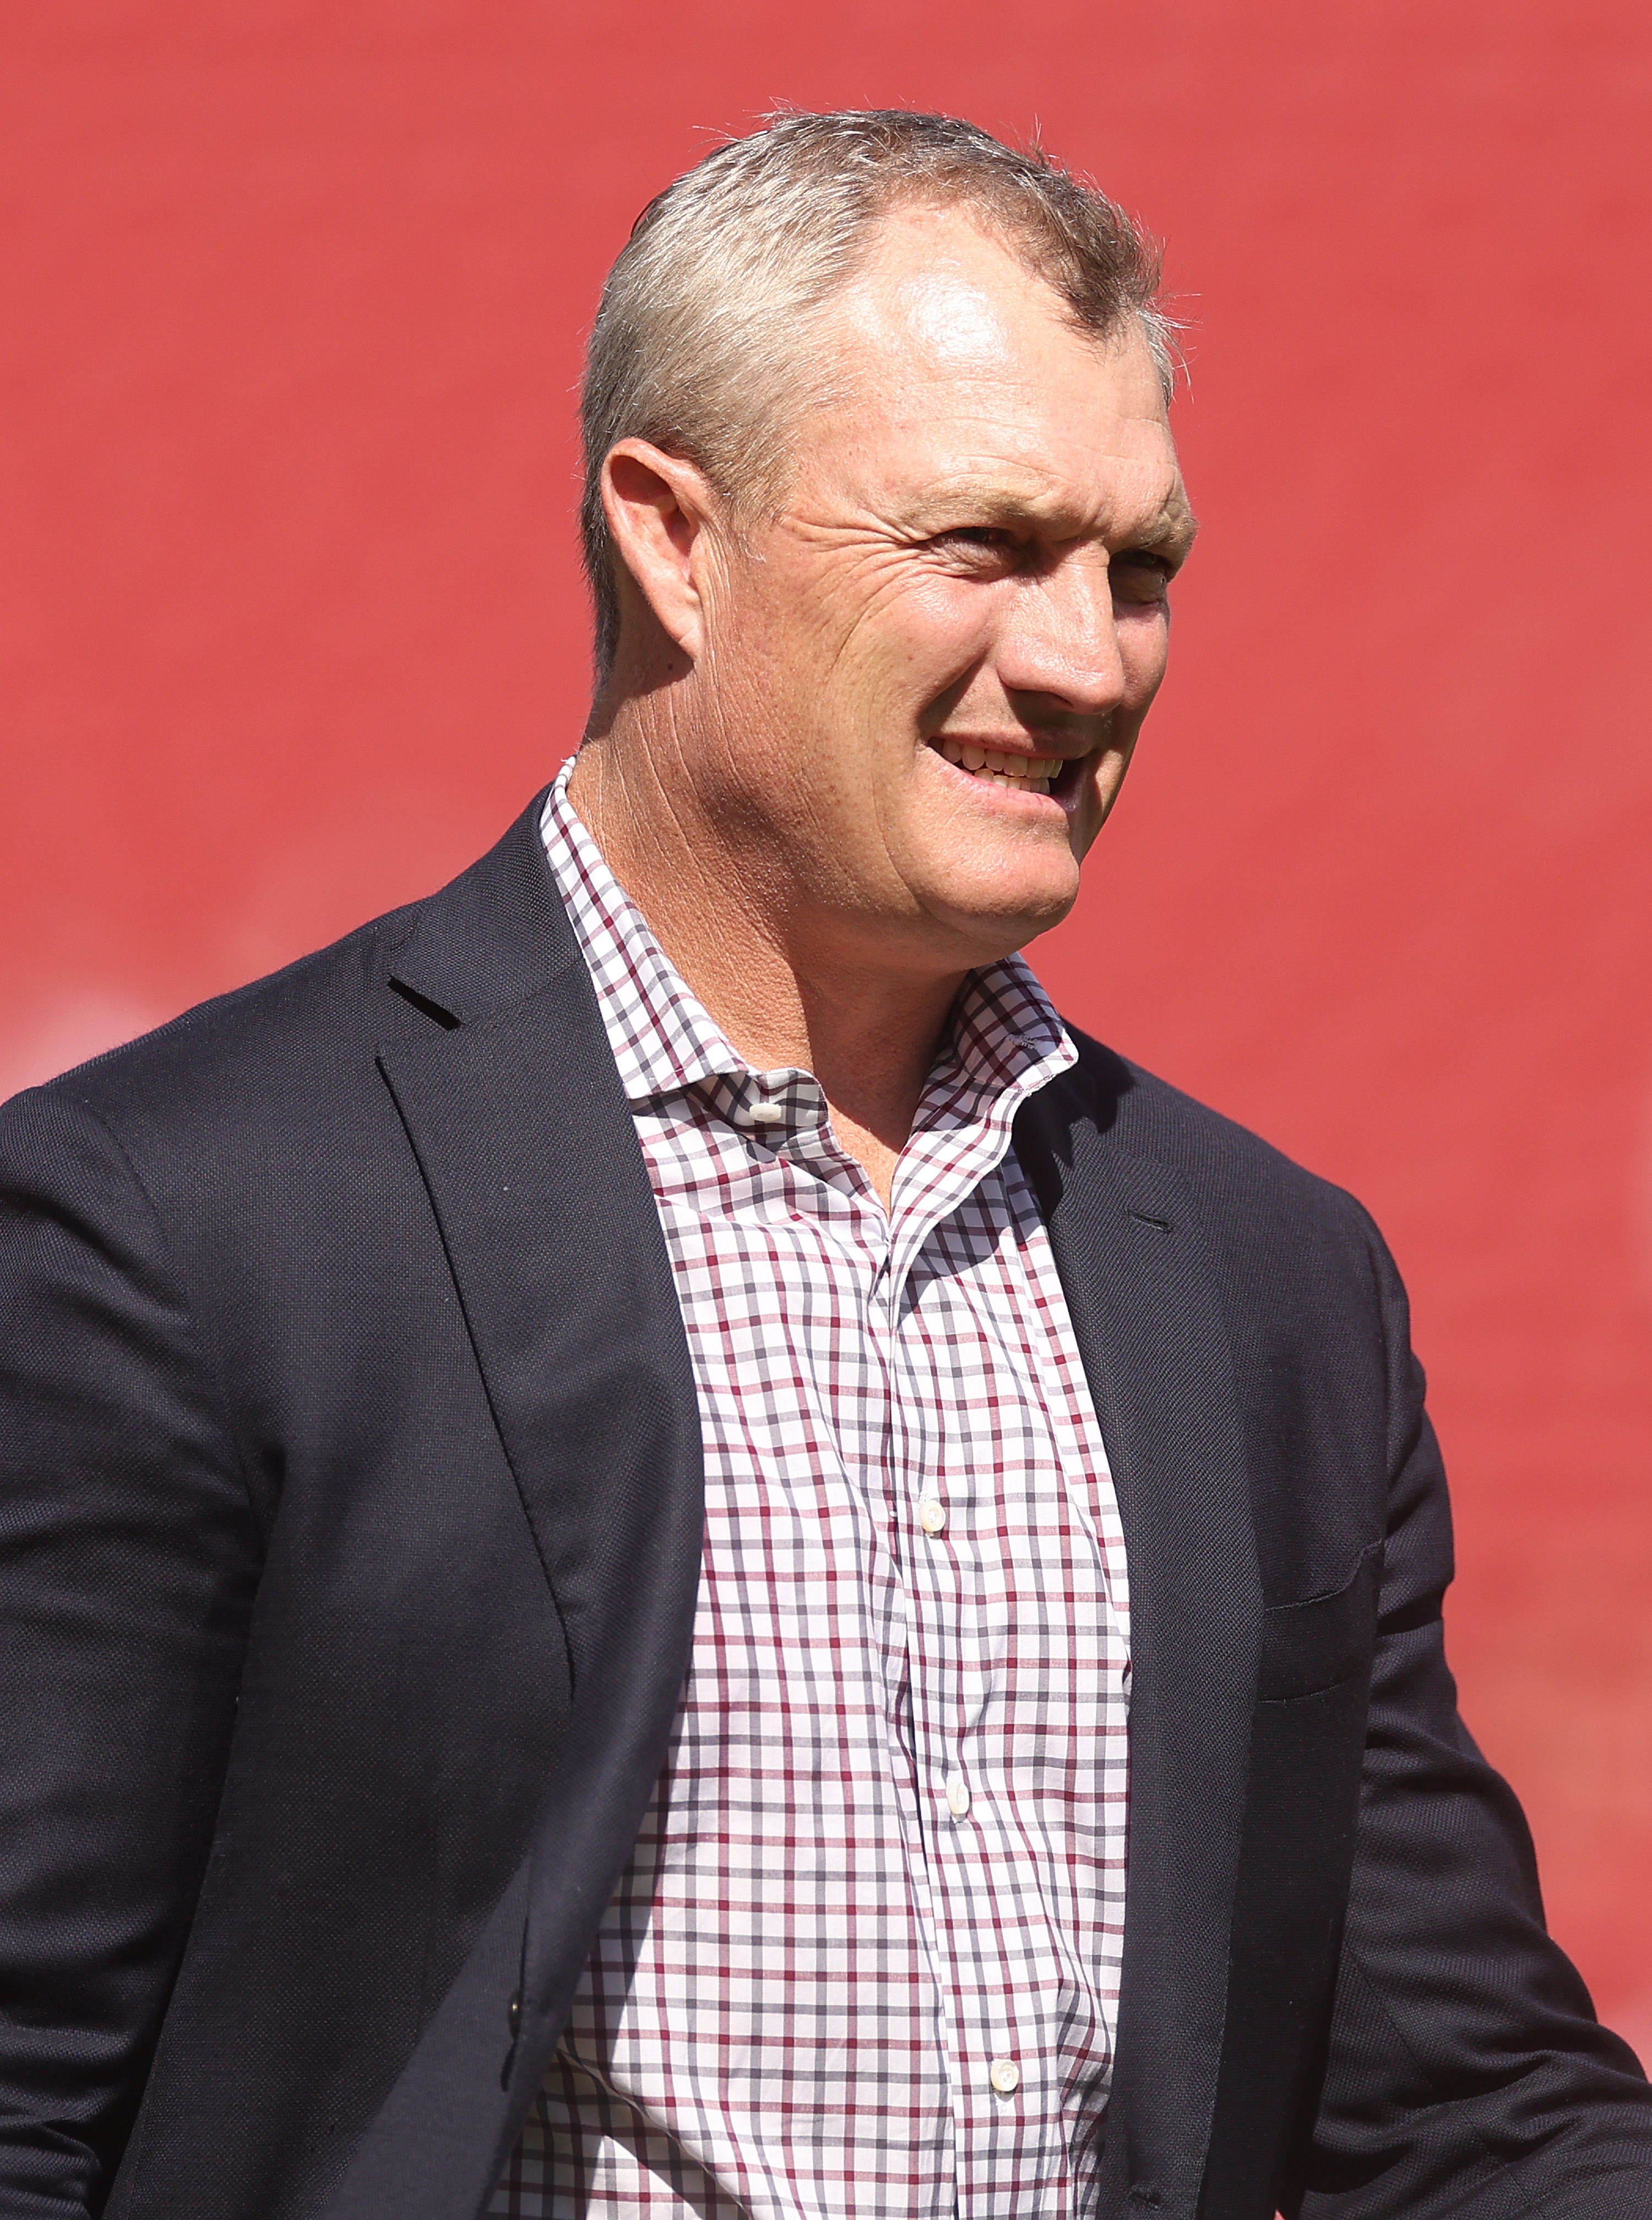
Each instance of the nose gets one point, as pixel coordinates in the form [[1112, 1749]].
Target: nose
[[1060, 638]]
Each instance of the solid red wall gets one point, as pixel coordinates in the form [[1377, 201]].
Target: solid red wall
[[290, 624]]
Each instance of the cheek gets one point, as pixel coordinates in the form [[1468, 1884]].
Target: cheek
[[921, 643], [1143, 636], [853, 639]]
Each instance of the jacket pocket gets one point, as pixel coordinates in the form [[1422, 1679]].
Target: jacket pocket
[[1317, 1644]]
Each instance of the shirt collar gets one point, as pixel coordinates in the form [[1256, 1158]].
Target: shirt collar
[[663, 1039], [1006, 1041]]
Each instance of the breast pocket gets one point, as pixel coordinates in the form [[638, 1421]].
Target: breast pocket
[[1318, 1645]]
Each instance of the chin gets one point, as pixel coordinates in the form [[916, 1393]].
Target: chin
[[993, 927]]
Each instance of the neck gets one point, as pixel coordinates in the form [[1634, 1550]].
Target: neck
[[788, 990]]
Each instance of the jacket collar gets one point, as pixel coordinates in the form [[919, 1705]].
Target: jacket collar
[[491, 938]]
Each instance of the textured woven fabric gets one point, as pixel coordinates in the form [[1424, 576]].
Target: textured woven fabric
[[864, 1961]]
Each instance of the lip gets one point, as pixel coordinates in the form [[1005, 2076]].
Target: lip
[[1062, 803]]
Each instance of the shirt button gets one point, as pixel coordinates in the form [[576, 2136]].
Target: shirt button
[[932, 1516], [958, 1795], [768, 1113], [1004, 2075]]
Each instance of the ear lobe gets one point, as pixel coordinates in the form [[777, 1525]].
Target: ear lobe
[[657, 506]]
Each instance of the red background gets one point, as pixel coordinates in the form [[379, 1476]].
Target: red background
[[290, 310]]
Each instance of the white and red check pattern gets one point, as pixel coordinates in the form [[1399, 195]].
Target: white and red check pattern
[[887, 1854]]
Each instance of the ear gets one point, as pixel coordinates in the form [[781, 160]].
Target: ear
[[657, 506]]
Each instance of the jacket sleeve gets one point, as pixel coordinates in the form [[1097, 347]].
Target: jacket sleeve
[[127, 1561], [1467, 2072]]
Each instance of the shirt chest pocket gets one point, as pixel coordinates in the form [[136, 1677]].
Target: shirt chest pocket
[[1319, 1643]]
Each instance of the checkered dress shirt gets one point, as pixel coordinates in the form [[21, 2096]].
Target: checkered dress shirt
[[864, 1961]]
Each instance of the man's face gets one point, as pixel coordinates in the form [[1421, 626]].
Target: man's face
[[930, 672]]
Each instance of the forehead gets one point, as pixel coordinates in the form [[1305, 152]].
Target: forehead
[[961, 371]]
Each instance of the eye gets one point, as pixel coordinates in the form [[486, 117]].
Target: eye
[[1139, 576], [981, 547]]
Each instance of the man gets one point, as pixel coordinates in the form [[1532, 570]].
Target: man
[[614, 1489]]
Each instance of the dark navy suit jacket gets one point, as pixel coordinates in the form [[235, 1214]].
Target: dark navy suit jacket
[[350, 1526]]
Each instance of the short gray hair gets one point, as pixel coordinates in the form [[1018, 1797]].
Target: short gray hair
[[702, 345]]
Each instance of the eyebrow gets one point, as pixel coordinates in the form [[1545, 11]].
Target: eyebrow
[[1172, 529]]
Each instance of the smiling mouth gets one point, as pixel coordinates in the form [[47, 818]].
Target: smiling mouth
[[993, 767]]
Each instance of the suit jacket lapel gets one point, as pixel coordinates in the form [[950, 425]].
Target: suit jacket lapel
[[502, 1071], [523, 1134], [1155, 1347]]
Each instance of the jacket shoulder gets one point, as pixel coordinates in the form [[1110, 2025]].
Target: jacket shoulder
[[1227, 1168]]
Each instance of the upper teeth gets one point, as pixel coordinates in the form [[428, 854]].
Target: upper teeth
[[1013, 770]]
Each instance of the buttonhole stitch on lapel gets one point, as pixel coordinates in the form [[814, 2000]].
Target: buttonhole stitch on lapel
[[1143, 1218]]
